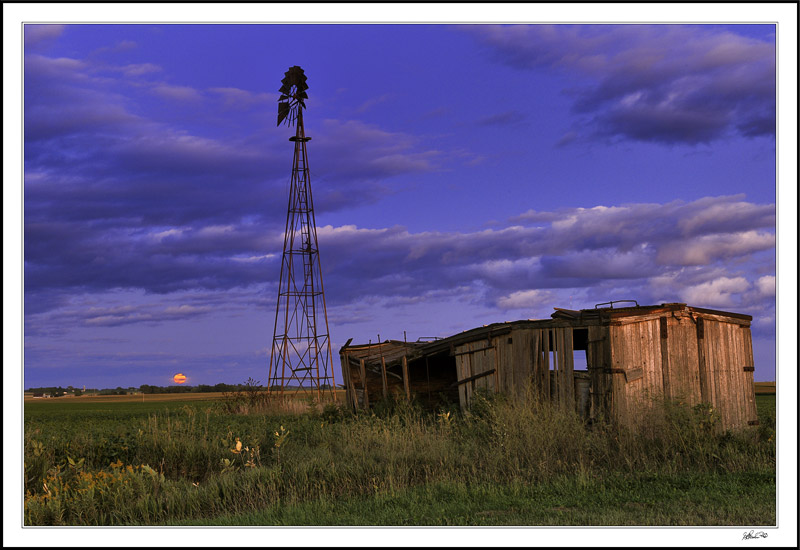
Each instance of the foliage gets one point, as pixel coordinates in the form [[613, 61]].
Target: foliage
[[144, 464]]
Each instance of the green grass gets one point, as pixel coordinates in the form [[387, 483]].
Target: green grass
[[502, 464], [685, 499], [765, 404]]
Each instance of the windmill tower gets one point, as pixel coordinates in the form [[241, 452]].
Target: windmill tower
[[300, 357]]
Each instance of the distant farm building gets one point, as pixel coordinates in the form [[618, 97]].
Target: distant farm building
[[634, 355]]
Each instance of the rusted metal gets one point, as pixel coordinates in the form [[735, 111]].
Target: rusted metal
[[300, 357], [612, 302]]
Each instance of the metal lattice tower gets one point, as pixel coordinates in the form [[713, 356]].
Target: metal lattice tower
[[300, 356]]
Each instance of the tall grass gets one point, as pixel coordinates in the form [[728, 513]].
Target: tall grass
[[196, 463]]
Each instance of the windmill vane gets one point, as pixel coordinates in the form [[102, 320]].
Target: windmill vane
[[293, 95]]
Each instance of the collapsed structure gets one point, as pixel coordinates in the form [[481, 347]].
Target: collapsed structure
[[633, 356]]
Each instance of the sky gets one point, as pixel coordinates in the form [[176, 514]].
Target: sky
[[462, 175]]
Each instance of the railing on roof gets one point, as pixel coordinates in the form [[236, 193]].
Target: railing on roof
[[611, 303]]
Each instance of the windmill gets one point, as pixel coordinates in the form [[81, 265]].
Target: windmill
[[300, 357]]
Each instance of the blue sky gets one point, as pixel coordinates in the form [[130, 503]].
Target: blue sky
[[462, 175]]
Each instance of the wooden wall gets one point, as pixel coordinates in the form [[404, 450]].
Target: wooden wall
[[686, 358], [525, 360], [632, 362], [726, 350]]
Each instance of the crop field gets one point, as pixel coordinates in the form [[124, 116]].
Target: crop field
[[247, 460]]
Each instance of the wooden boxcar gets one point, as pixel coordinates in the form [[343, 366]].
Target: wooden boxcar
[[627, 358]]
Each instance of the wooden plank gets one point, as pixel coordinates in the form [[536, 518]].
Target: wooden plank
[[741, 392], [520, 368], [750, 392], [545, 336], [476, 350], [562, 367], [595, 372], [348, 386], [618, 394], [364, 382], [537, 364], [705, 382], [383, 379], [677, 360], [664, 336], [737, 360], [633, 358], [481, 358], [405, 378], [656, 381], [711, 366], [555, 380], [634, 374], [462, 390], [689, 332], [732, 362], [484, 374], [496, 379], [711, 335], [716, 347], [556, 366], [468, 388], [569, 367], [505, 375]]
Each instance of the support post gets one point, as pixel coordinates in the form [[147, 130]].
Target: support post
[[405, 378], [364, 382]]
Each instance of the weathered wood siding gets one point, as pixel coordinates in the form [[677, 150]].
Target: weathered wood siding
[[634, 373], [598, 363], [635, 358], [678, 357], [728, 357], [536, 362], [474, 359]]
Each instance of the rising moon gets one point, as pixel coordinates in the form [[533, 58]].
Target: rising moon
[[179, 378]]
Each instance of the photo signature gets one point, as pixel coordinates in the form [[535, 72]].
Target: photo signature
[[754, 535]]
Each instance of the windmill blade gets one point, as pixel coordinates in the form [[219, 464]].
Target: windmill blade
[[293, 94], [283, 112]]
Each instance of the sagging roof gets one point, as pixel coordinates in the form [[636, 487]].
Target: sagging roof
[[394, 350]]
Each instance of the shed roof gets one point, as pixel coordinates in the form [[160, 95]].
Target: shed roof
[[393, 350]]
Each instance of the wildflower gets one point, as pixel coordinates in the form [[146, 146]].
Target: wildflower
[[238, 448]]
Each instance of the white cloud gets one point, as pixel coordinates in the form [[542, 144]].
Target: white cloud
[[705, 249], [715, 293], [178, 93], [766, 285], [38, 33], [533, 298]]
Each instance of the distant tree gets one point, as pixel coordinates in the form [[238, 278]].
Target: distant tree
[[78, 393]]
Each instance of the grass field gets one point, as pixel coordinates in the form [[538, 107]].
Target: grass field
[[765, 388], [154, 397], [117, 461]]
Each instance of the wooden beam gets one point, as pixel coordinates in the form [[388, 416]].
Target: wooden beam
[[364, 382], [476, 350], [665, 362], [472, 378], [405, 378], [383, 378]]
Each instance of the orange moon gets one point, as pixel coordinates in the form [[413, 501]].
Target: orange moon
[[179, 378]]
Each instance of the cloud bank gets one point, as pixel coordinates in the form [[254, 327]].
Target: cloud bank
[[673, 84]]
